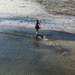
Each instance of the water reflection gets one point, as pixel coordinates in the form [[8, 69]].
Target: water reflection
[[25, 54]]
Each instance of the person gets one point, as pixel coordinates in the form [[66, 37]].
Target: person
[[37, 26]]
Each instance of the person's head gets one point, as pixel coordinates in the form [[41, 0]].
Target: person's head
[[37, 20]]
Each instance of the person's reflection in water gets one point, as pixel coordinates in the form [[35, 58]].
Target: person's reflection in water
[[36, 42]]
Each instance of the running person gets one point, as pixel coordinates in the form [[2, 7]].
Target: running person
[[37, 26]]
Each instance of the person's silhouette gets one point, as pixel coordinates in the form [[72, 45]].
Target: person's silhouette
[[37, 26]]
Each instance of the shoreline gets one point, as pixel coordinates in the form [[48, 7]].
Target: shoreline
[[48, 30], [27, 28]]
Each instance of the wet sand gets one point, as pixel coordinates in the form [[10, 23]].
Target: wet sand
[[22, 53]]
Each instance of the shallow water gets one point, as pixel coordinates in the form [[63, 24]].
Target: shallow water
[[22, 53]]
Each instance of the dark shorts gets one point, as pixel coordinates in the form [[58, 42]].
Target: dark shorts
[[37, 27]]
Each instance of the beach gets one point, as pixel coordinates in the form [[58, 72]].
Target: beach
[[23, 53]]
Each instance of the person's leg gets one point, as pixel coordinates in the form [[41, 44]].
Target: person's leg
[[37, 31]]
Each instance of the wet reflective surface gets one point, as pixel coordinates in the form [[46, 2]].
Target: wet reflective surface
[[22, 53]]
